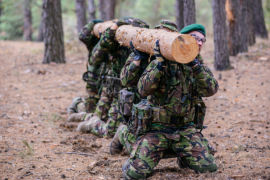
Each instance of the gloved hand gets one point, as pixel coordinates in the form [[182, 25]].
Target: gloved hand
[[193, 63], [159, 57], [121, 22], [95, 21], [138, 54]]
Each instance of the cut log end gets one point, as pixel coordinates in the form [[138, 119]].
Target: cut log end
[[184, 49]]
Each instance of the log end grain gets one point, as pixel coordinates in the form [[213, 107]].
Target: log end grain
[[184, 49]]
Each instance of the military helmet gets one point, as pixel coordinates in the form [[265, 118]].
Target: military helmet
[[168, 24], [139, 23]]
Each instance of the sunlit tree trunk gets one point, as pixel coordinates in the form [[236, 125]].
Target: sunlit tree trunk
[[232, 10], [102, 9], [91, 10], [53, 32], [27, 27], [81, 14], [243, 35], [259, 23], [179, 13], [250, 23], [220, 35], [111, 4], [189, 12]]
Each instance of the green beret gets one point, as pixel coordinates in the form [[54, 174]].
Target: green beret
[[193, 27], [139, 23], [168, 24], [127, 17]]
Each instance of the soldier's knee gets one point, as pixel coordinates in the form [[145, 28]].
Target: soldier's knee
[[130, 172], [200, 166]]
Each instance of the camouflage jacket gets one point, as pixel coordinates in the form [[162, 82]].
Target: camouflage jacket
[[199, 81], [119, 53]]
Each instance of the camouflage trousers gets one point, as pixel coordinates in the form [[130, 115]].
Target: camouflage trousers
[[145, 153], [104, 105], [102, 129]]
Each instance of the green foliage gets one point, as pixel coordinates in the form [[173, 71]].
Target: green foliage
[[266, 10]]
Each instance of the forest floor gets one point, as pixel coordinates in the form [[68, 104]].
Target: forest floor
[[34, 98]]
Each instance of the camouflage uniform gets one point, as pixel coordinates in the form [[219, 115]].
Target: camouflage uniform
[[178, 132], [120, 55]]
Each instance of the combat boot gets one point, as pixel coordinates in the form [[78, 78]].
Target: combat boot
[[116, 147], [181, 164], [76, 117], [90, 122], [73, 106]]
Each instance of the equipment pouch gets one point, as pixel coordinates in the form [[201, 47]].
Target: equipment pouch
[[117, 86], [141, 118], [126, 100]]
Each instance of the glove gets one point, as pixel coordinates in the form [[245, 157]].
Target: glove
[[138, 54], [121, 22], [159, 57], [193, 63], [95, 21]]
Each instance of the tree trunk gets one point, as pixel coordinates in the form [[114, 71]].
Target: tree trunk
[[81, 14], [179, 13], [27, 27], [53, 32], [40, 36], [243, 32], [111, 4], [182, 48], [102, 9], [189, 12], [250, 23], [232, 10], [259, 24], [91, 10], [222, 61]]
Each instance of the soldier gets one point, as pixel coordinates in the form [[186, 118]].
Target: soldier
[[95, 69], [91, 122], [172, 116]]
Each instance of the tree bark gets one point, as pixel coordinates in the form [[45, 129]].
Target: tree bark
[[27, 27], [222, 61], [250, 23], [243, 32], [259, 24], [102, 9], [189, 12], [179, 12], [182, 48], [91, 10], [111, 4], [40, 36], [232, 10], [81, 14], [53, 32]]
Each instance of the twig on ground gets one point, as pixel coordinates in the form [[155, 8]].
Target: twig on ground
[[87, 154]]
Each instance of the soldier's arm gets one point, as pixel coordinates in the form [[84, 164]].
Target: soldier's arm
[[150, 79], [87, 37], [108, 44], [98, 55], [130, 72], [207, 85]]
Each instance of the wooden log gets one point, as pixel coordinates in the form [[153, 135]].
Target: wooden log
[[181, 48]]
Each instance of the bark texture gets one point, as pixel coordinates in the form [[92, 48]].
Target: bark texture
[[232, 10], [81, 14], [111, 4], [220, 35], [53, 32], [259, 24], [91, 10], [40, 36], [102, 9], [243, 32], [189, 12], [250, 23], [27, 27], [179, 13], [182, 48]]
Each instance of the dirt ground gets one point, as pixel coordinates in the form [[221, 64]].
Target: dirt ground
[[34, 98]]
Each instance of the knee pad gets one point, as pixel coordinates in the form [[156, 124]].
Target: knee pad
[[130, 173]]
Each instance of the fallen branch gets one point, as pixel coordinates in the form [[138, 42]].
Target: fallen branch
[[86, 154]]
